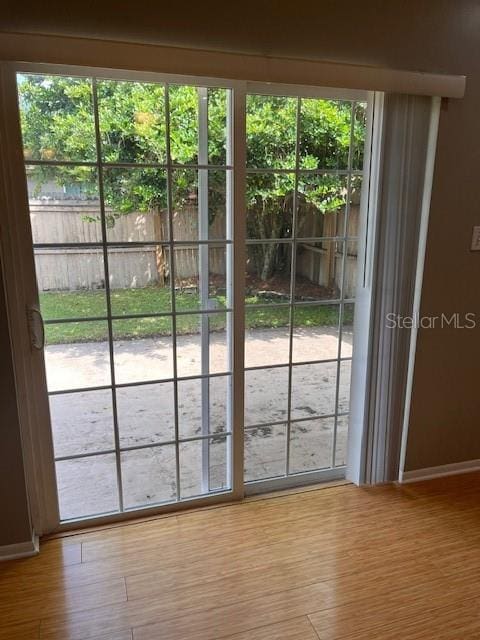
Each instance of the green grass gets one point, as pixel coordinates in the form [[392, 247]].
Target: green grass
[[91, 304]]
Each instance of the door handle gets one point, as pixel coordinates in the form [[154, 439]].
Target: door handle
[[36, 328]]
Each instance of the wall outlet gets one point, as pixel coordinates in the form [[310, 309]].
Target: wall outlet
[[475, 239]]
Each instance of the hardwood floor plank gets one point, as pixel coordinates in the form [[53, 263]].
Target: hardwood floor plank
[[52, 557], [39, 602], [390, 610], [239, 618], [294, 629], [216, 623], [448, 623], [261, 581]]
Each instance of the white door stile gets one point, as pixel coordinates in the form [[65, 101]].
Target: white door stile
[[237, 155], [356, 446]]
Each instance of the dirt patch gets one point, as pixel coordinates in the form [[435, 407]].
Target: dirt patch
[[278, 287]]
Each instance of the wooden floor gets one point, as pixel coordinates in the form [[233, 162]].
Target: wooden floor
[[383, 563]]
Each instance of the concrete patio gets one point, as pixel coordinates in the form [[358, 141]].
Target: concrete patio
[[82, 421]]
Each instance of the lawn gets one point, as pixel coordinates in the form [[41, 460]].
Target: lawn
[[149, 300]]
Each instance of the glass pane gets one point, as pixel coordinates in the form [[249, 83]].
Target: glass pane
[[77, 355], [136, 205], [321, 206], [82, 422], [203, 466], [136, 226], [342, 435], [183, 104], [311, 444], [132, 121], [315, 332], [209, 395], [325, 128], [87, 486], [267, 335], [271, 131], [350, 282], [353, 222], [268, 269], [191, 329], [64, 204], [71, 283], [217, 125], [57, 118], [196, 192], [146, 414], [313, 389], [344, 386], [189, 261], [139, 280], [266, 395], [148, 476], [143, 349], [265, 452], [269, 198], [359, 132], [347, 330], [184, 124], [318, 271]]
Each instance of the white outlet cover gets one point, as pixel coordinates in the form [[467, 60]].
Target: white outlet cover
[[476, 239]]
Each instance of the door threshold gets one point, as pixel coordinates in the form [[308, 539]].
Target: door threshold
[[280, 493]]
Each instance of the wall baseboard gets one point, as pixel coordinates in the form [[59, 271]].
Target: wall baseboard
[[20, 550], [437, 472]]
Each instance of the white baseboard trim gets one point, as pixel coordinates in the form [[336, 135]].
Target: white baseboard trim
[[20, 550], [437, 472]]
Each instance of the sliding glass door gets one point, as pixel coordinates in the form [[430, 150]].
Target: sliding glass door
[[304, 176], [130, 192], [195, 249]]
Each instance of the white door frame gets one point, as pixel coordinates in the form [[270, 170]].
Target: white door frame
[[22, 289], [356, 454]]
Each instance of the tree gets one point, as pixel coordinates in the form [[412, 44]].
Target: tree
[[58, 124]]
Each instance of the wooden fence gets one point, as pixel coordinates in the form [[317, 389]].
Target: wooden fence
[[321, 262], [77, 221]]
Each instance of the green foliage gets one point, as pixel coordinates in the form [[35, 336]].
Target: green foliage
[[57, 118], [139, 189], [271, 132], [58, 124], [131, 121], [324, 134]]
